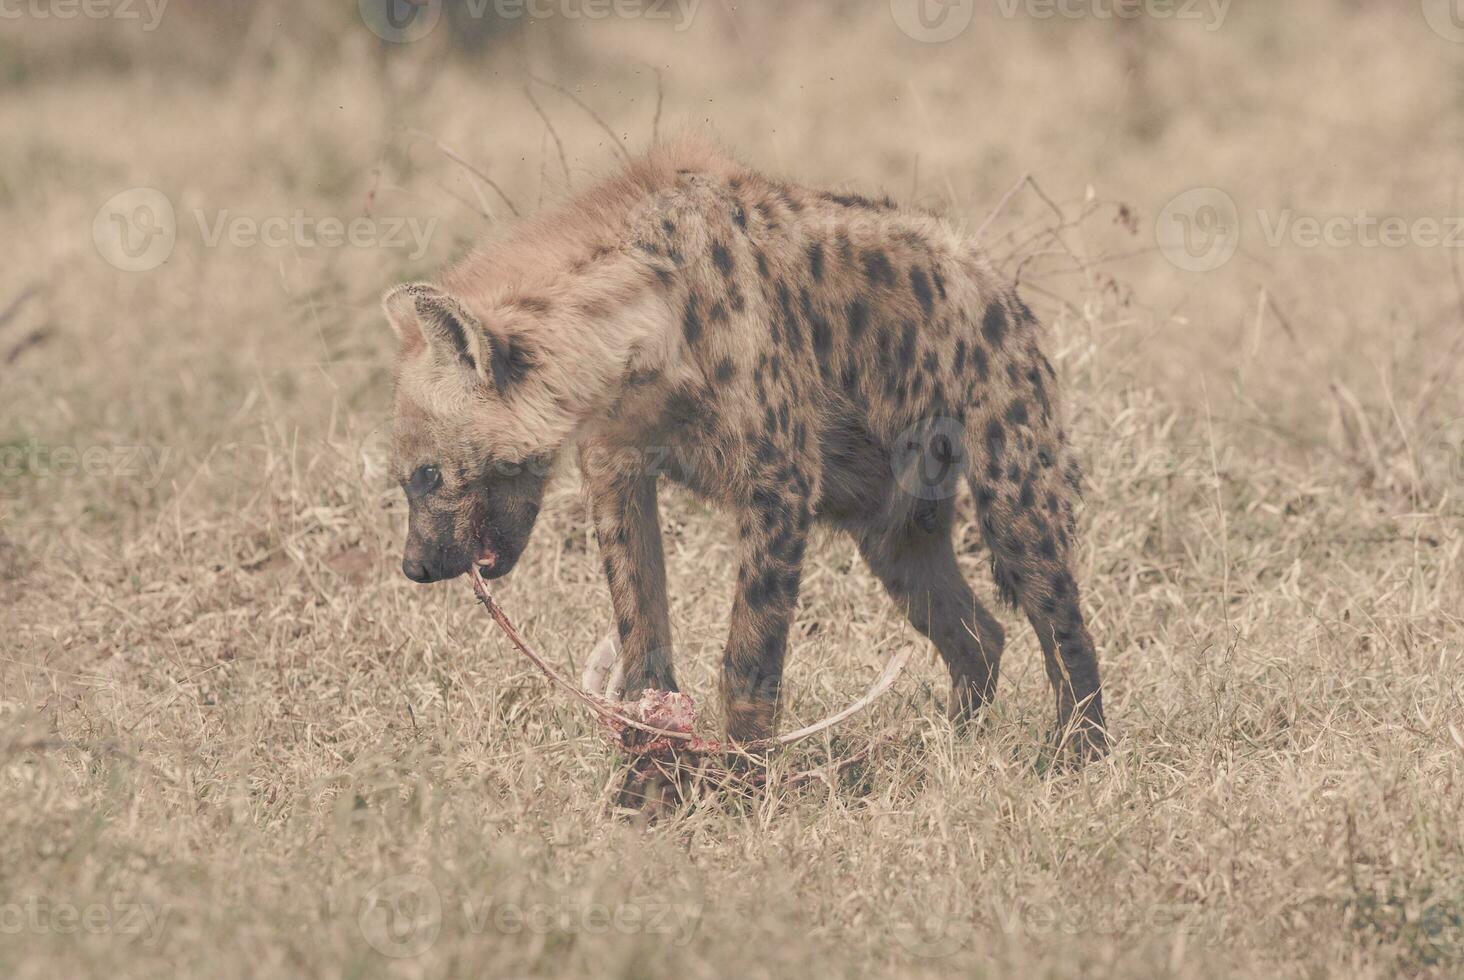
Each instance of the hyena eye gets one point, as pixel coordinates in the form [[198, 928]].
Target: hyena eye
[[424, 480]]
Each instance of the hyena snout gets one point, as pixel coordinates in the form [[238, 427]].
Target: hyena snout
[[428, 559], [489, 529]]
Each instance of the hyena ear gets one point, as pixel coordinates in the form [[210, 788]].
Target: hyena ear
[[508, 361], [424, 316]]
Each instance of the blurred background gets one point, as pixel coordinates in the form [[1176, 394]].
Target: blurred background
[[1245, 120]]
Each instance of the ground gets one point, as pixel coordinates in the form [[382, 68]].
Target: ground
[[235, 740]]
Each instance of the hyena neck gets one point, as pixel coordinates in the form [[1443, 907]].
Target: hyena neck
[[613, 353]]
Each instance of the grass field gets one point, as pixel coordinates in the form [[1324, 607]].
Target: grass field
[[235, 741]]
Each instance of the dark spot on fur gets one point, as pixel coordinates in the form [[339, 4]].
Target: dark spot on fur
[[993, 326], [920, 286], [978, 358], [939, 281], [762, 265], [958, 366], [858, 319], [691, 322], [725, 370], [816, 261], [995, 440], [722, 258], [907, 345], [932, 362], [877, 268], [1016, 412]]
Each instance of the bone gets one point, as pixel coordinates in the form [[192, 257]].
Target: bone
[[604, 675]]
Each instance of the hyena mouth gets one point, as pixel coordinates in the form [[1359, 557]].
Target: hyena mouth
[[488, 556]]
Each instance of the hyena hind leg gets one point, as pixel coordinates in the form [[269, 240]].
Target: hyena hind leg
[[1031, 554], [917, 566]]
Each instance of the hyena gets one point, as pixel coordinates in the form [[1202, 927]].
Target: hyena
[[795, 356]]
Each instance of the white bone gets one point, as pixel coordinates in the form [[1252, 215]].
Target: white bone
[[604, 675]]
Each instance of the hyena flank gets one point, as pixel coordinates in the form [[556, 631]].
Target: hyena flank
[[795, 356]]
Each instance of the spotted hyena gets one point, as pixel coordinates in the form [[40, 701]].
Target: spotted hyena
[[797, 357]]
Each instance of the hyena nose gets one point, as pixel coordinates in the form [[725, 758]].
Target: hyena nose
[[416, 570]]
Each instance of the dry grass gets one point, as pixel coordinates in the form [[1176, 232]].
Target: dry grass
[[225, 710]]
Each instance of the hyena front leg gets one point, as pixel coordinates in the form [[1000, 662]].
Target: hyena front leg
[[628, 528], [772, 537]]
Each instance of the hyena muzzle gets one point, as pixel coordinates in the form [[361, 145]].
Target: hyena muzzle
[[798, 358]]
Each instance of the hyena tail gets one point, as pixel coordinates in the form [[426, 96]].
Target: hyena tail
[[1026, 484]]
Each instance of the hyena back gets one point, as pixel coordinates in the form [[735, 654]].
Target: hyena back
[[795, 356]]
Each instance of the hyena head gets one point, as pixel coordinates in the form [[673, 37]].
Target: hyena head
[[470, 443]]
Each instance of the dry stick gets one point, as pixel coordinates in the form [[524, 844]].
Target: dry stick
[[614, 140], [608, 711], [16, 304], [1001, 205], [558, 143], [35, 338], [660, 97], [458, 158]]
